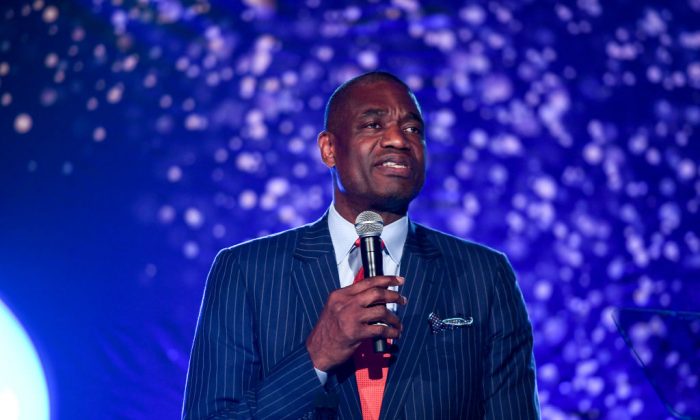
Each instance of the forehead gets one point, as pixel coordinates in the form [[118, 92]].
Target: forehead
[[382, 95]]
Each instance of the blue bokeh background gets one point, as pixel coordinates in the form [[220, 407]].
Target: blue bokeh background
[[137, 138]]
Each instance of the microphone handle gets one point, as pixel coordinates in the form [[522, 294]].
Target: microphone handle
[[372, 264]]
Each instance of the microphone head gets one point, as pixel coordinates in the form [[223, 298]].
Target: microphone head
[[369, 223]]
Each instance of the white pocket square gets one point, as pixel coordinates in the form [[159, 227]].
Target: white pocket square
[[437, 325]]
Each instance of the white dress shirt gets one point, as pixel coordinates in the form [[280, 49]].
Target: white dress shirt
[[343, 236]]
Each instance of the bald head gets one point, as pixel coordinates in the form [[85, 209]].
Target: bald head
[[336, 103]]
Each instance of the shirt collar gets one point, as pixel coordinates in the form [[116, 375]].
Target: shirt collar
[[343, 236]]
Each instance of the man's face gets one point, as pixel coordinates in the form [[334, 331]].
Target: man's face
[[377, 148]]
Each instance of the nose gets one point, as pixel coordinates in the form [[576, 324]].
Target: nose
[[394, 137]]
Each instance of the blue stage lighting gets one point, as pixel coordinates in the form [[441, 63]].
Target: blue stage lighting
[[23, 390]]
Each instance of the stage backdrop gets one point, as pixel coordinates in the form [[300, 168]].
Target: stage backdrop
[[140, 137]]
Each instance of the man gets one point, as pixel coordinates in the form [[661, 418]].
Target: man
[[278, 337]]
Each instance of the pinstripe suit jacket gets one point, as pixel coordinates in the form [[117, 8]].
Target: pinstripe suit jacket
[[263, 297]]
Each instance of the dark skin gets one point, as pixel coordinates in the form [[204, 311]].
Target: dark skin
[[375, 148]]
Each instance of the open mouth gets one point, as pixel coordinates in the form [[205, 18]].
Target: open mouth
[[391, 164], [395, 166], [394, 161]]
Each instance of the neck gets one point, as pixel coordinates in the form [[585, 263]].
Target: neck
[[349, 211]]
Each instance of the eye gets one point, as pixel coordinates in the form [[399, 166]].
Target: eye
[[414, 130], [373, 125]]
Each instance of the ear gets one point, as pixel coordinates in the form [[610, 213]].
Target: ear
[[325, 146]]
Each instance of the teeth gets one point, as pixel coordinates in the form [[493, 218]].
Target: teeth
[[393, 165]]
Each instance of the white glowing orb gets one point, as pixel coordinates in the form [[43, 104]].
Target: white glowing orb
[[23, 390]]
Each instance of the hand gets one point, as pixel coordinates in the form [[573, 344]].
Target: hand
[[347, 319]]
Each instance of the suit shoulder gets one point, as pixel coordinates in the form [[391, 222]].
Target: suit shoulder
[[273, 244], [451, 245]]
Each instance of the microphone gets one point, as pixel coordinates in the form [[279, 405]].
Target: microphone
[[369, 226]]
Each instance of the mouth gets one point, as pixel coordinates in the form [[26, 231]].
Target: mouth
[[391, 164], [395, 165]]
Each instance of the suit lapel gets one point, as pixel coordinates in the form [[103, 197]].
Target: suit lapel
[[420, 266], [315, 274]]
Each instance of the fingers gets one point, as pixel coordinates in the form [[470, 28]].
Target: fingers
[[352, 314], [376, 296], [378, 281], [384, 331], [382, 315]]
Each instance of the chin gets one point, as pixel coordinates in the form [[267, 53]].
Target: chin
[[395, 203]]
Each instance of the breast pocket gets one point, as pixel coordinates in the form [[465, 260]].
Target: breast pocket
[[453, 343], [455, 346], [451, 367]]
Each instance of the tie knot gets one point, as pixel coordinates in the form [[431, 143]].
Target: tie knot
[[357, 243]]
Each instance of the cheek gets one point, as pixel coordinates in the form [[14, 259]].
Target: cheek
[[354, 164], [423, 161], [350, 177]]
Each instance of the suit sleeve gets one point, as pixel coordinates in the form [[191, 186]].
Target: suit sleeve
[[225, 377], [510, 388]]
